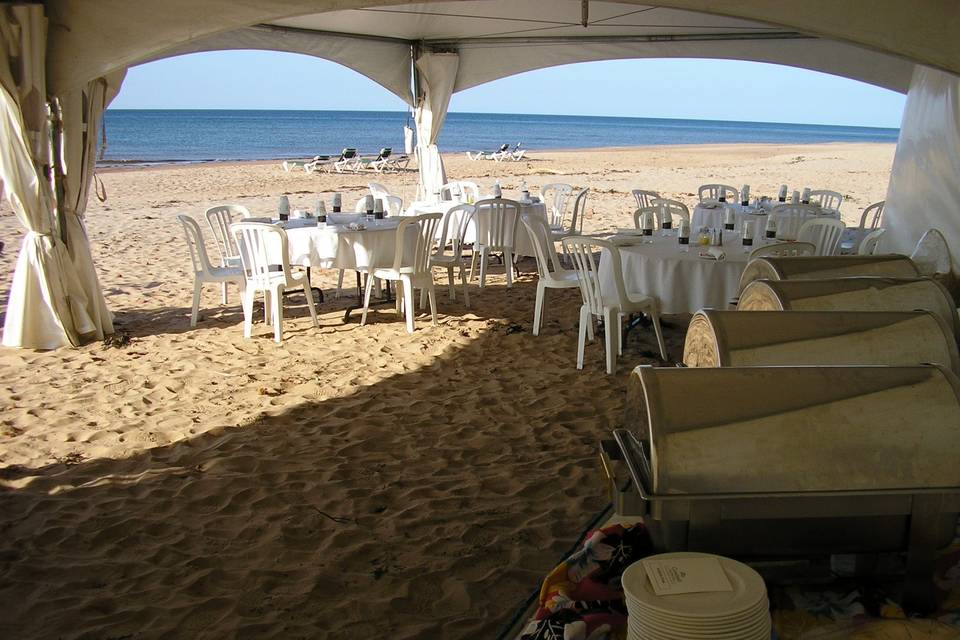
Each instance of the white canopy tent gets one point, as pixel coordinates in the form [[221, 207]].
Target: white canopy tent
[[423, 52]]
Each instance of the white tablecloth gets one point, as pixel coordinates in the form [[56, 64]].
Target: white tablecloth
[[714, 218], [523, 245], [682, 282], [336, 246]]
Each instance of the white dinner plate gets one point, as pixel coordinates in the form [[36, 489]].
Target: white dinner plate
[[748, 590]]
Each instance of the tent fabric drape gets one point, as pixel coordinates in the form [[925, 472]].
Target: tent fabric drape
[[437, 77], [924, 190], [45, 309], [82, 112]]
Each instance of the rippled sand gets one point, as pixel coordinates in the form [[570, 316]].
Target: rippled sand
[[352, 482]]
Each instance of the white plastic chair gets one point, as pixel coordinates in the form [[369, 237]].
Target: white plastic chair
[[576, 219], [460, 191], [377, 190], [644, 198], [410, 272], [220, 218], [718, 191], [784, 250], [790, 217], [555, 196], [824, 233], [497, 220], [872, 215], [639, 213], [393, 205], [667, 209], [456, 223], [203, 270], [263, 246], [552, 275], [932, 254], [870, 243], [610, 305], [827, 199]]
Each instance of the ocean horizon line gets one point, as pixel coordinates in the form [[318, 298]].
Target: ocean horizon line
[[407, 115]]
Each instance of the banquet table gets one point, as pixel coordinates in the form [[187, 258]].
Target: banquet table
[[713, 215], [682, 282], [341, 245], [523, 245]]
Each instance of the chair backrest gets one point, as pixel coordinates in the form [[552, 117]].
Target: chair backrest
[[460, 191], [426, 224], [497, 220], [546, 254], [824, 233], [393, 205], [583, 250], [790, 217], [385, 153], [827, 199], [579, 212], [262, 246], [669, 209], [639, 213], [644, 198], [870, 243], [220, 218], [872, 215], [784, 250], [348, 153], [195, 244], [456, 222], [932, 254], [718, 192], [554, 196], [377, 190]]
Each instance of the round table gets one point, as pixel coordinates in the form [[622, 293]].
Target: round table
[[682, 282], [340, 245], [713, 216]]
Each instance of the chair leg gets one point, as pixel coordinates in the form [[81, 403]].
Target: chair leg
[[610, 337], [423, 299], [508, 266], [473, 264], [267, 308], [484, 256], [585, 320], [195, 308], [655, 316], [451, 290], [366, 299], [248, 298], [408, 302], [278, 315], [466, 294], [431, 292], [538, 308], [308, 292], [398, 296], [339, 285], [619, 334], [590, 329]]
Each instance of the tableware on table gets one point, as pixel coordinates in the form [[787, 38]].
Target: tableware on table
[[683, 236], [378, 209], [746, 238], [729, 218], [805, 198], [337, 202], [795, 198], [283, 208], [782, 195], [771, 228], [745, 195], [647, 223], [321, 213]]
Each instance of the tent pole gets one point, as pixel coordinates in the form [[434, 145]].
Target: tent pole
[[56, 124]]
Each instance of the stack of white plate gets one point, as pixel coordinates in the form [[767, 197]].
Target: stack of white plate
[[740, 614]]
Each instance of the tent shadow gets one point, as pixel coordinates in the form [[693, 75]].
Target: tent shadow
[[431, 501]]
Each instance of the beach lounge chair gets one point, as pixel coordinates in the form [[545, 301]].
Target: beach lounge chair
[[328, 163], [393, 164], [373, 163], [517, 154], [496, 156]]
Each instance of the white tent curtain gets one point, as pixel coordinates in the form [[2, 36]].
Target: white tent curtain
[[82, 113], [924, 189], [45, 307], [437, 77]]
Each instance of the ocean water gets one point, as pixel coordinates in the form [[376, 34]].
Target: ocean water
[[161, 135]]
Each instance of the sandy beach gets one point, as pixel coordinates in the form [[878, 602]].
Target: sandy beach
[[352, 482]]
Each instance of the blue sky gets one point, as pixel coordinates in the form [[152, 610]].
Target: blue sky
[[640, 88]]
